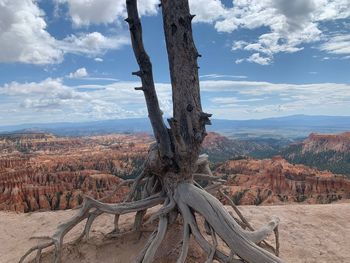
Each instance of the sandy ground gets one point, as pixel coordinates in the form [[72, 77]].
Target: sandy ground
[[308, 233]]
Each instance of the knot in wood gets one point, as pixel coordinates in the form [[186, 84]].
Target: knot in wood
[[189, 108]]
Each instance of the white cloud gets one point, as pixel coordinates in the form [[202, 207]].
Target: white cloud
[[247, 99], [291, 24], [239, 61], [52, 100], [339, 45], [87, 12], [47, 87], [24, 38], [79, 73], [92, 44], [23, 35], [207, 11], [98, 59], [256, 58], [147, 7], [331, 9]]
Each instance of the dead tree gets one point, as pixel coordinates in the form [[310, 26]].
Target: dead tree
[[173, 164]]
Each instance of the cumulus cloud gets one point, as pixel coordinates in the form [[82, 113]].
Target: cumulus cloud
[[92, 44], [24, 37], [79, 73], [53, 86], [87, 12], [207, 11], [256, 58], [290, 24]]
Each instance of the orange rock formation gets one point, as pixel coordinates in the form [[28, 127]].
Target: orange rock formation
[[44, 172], [275, 180]]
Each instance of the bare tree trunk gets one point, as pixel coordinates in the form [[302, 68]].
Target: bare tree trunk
[[188, 123], [173, 163]]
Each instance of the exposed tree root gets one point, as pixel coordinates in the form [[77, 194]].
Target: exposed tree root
[[185, 244], [98, 208], [187, 199], [152, 249], [240, 241], [243, 222]]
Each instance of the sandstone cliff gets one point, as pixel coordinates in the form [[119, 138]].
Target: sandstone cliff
[[272, 181], [323, 151]]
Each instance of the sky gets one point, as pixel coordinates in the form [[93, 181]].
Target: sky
[[71, 60]]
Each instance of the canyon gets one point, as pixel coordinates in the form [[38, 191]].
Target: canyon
[[276, 181], [322, 151], [41, 171], [45, 172]]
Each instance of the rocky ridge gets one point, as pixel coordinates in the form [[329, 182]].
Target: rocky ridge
[[275, 181], [322, 151], [221, 148]]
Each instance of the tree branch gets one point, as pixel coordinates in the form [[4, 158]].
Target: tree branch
[[145, 73]]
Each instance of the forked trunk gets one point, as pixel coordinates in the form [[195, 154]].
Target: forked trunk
[[173, 164], [181, 144]]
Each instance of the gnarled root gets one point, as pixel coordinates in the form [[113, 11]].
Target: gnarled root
[[242, 221], [188, 200], [240, 241], [85, 212]]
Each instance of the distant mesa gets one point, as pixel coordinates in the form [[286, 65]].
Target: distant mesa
[[322, 151]]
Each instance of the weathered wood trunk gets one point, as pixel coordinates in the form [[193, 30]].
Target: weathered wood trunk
[[188, 123], [178, 146]]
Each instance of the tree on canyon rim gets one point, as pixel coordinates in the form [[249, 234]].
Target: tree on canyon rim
[[174, 163]]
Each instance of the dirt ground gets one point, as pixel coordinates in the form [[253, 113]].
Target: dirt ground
[[308, 233]]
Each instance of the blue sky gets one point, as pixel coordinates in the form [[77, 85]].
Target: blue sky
[[70, 60]]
